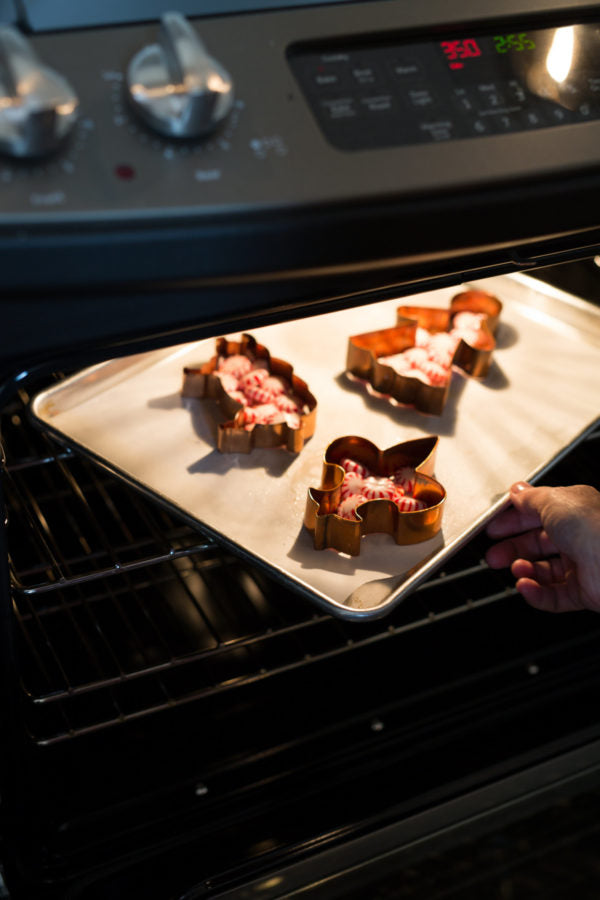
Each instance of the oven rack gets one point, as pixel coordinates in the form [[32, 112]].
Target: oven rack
[[123, 611]]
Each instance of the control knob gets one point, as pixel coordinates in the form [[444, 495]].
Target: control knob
[[38, 107], [175, 86]]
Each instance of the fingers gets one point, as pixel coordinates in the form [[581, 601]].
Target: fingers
[[550, 598], [532, 545], [522, 515], [512, 521], [549, 585]]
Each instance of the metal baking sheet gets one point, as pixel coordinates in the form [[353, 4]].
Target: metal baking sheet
[[539, 398]]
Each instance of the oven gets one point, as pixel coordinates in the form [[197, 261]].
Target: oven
[[179, 722]]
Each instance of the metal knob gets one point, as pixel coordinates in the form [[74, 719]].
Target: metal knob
[[175, 86], [38, 107]]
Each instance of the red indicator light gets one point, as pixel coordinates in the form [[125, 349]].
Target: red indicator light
[[457, 50], [124, 172]]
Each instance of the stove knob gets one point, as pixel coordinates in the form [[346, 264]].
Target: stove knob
[[175, 86], [38, 107]]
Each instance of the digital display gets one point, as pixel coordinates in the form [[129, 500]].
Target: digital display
[[453, 87], [457, 51], [505, 42]]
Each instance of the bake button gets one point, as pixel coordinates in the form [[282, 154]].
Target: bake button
[[328, 72]]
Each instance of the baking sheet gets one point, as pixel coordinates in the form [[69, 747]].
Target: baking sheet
[[539, 398]]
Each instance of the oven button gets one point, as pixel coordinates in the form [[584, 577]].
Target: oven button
[[38, 107], [175, 86]]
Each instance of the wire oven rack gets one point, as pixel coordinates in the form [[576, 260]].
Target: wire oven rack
[[122, 610]]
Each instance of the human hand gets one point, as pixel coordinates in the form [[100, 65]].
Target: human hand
[[550, 538]]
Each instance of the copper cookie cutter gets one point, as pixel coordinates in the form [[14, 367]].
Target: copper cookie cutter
[[344, 535], [201, 382], [364, 350]]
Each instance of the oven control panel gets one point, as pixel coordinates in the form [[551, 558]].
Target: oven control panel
[[287, 146], [462, 85]]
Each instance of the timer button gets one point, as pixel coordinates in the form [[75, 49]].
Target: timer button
[[38, 107], [175, 86]]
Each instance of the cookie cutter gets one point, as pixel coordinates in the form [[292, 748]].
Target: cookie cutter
[[410, 527], [364, 350], [233, 436]]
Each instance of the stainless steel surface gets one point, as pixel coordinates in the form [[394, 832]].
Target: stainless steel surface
[[539, 399], [38, 107], [176, 86]]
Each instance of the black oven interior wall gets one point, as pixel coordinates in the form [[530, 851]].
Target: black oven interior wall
[[178, 721]]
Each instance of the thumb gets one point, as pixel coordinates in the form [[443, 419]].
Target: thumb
[[528, 503]]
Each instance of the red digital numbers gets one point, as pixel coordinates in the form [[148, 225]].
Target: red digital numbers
[[459, 50]]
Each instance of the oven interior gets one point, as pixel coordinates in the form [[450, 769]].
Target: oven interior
[[182, 724]]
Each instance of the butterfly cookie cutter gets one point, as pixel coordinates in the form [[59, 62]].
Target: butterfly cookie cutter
[[330, 530], [234, 435], [365, 350]]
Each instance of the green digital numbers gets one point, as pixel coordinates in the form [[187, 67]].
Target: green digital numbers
[[505, 42]]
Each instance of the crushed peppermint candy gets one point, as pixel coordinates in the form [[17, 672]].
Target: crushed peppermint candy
[[266, 399], [430, 359]]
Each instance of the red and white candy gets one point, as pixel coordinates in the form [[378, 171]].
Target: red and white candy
[[254, 378], [352, 484], [237, 365], [351, 465], [287, 403], [409, 504], [267, 399], [406, 478], [379, 488], [257, 395], [348, 505], [357, 489], [263, 414]]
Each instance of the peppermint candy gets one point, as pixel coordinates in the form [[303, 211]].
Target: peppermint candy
[[379, 488], [422, 337], [437, 374], [415, 355], [409, 504], [229, 382], [351, 465], [263, 414], [467, 321], [286, 403], [348, 506], [258, 395], [405, 478], [237, 365], [352, 484], [292, 420], [399, 363], [254, 378], [276, 385]]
